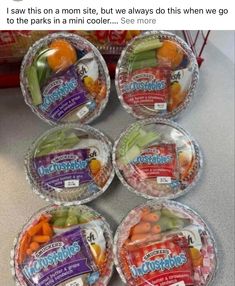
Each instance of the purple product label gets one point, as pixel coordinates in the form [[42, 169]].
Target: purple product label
[[54, 170], [63, 93], [66, 256]]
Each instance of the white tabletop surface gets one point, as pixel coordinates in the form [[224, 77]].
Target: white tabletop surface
[[210, 121]]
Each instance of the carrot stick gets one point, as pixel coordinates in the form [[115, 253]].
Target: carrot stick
[[142, 227], [41, 238]]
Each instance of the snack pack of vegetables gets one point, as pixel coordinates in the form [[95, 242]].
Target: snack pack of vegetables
[[156, 75], [65, 79], [70, 163], [157, 158], [61, 246], [165, 243]]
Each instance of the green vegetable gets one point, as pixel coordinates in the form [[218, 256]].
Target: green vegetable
[[57, 141], [74, 211], [148, 63], [166, 212], [165, 224], [71, 220], [147, 138], [60, 222], [143, 56], [43, 69], [134, 142], [147, 45], [34, 86], [61, 212], [131, 154]]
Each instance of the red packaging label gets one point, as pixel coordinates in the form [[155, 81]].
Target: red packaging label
[[163, 263], [157, 161], [148, 87]]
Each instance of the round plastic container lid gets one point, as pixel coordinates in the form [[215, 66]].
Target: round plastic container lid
[[165, 242], [65, 79], [156, 158], [70, 164], [63, 246], [156, 75]]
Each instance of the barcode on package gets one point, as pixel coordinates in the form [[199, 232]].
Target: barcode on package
[[71, 184], [163, 180], [77, 282], [160, 106], [82, 112], [181, 283]]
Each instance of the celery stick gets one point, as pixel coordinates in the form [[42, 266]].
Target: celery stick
[[147, 45], [147, 139], [34, 86], [148, 63], [143, 56], [131, 154]]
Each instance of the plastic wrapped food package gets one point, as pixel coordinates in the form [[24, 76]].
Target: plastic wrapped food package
[[63, 246], [70, 163], [65, 79], [165, 243], [156, 158], [156, 75]]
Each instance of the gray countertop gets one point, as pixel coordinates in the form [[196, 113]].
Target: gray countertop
[[210, 120]]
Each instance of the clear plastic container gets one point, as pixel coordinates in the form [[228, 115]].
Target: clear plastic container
[[63, 246], [65, 79], [70, 164], [165, 243], [156, 158], [156, 75]]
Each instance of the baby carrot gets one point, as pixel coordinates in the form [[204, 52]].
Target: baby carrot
[[35, 229], [138, 237], [150, 217], [29, 252], [145, 211], [41, 238], [34, 246], [46, 229], [45, 218], [156, 229], [142, 227]]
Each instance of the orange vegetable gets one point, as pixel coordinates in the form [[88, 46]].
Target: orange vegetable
[[24, 244], [142, 227], [62, 55], [45, 218], [46, 229], [171, 53], [35, 229], [41, 238], [139, 237], [34, 246], [29, 252], [145, 211], [156, 229], [151, 217]]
